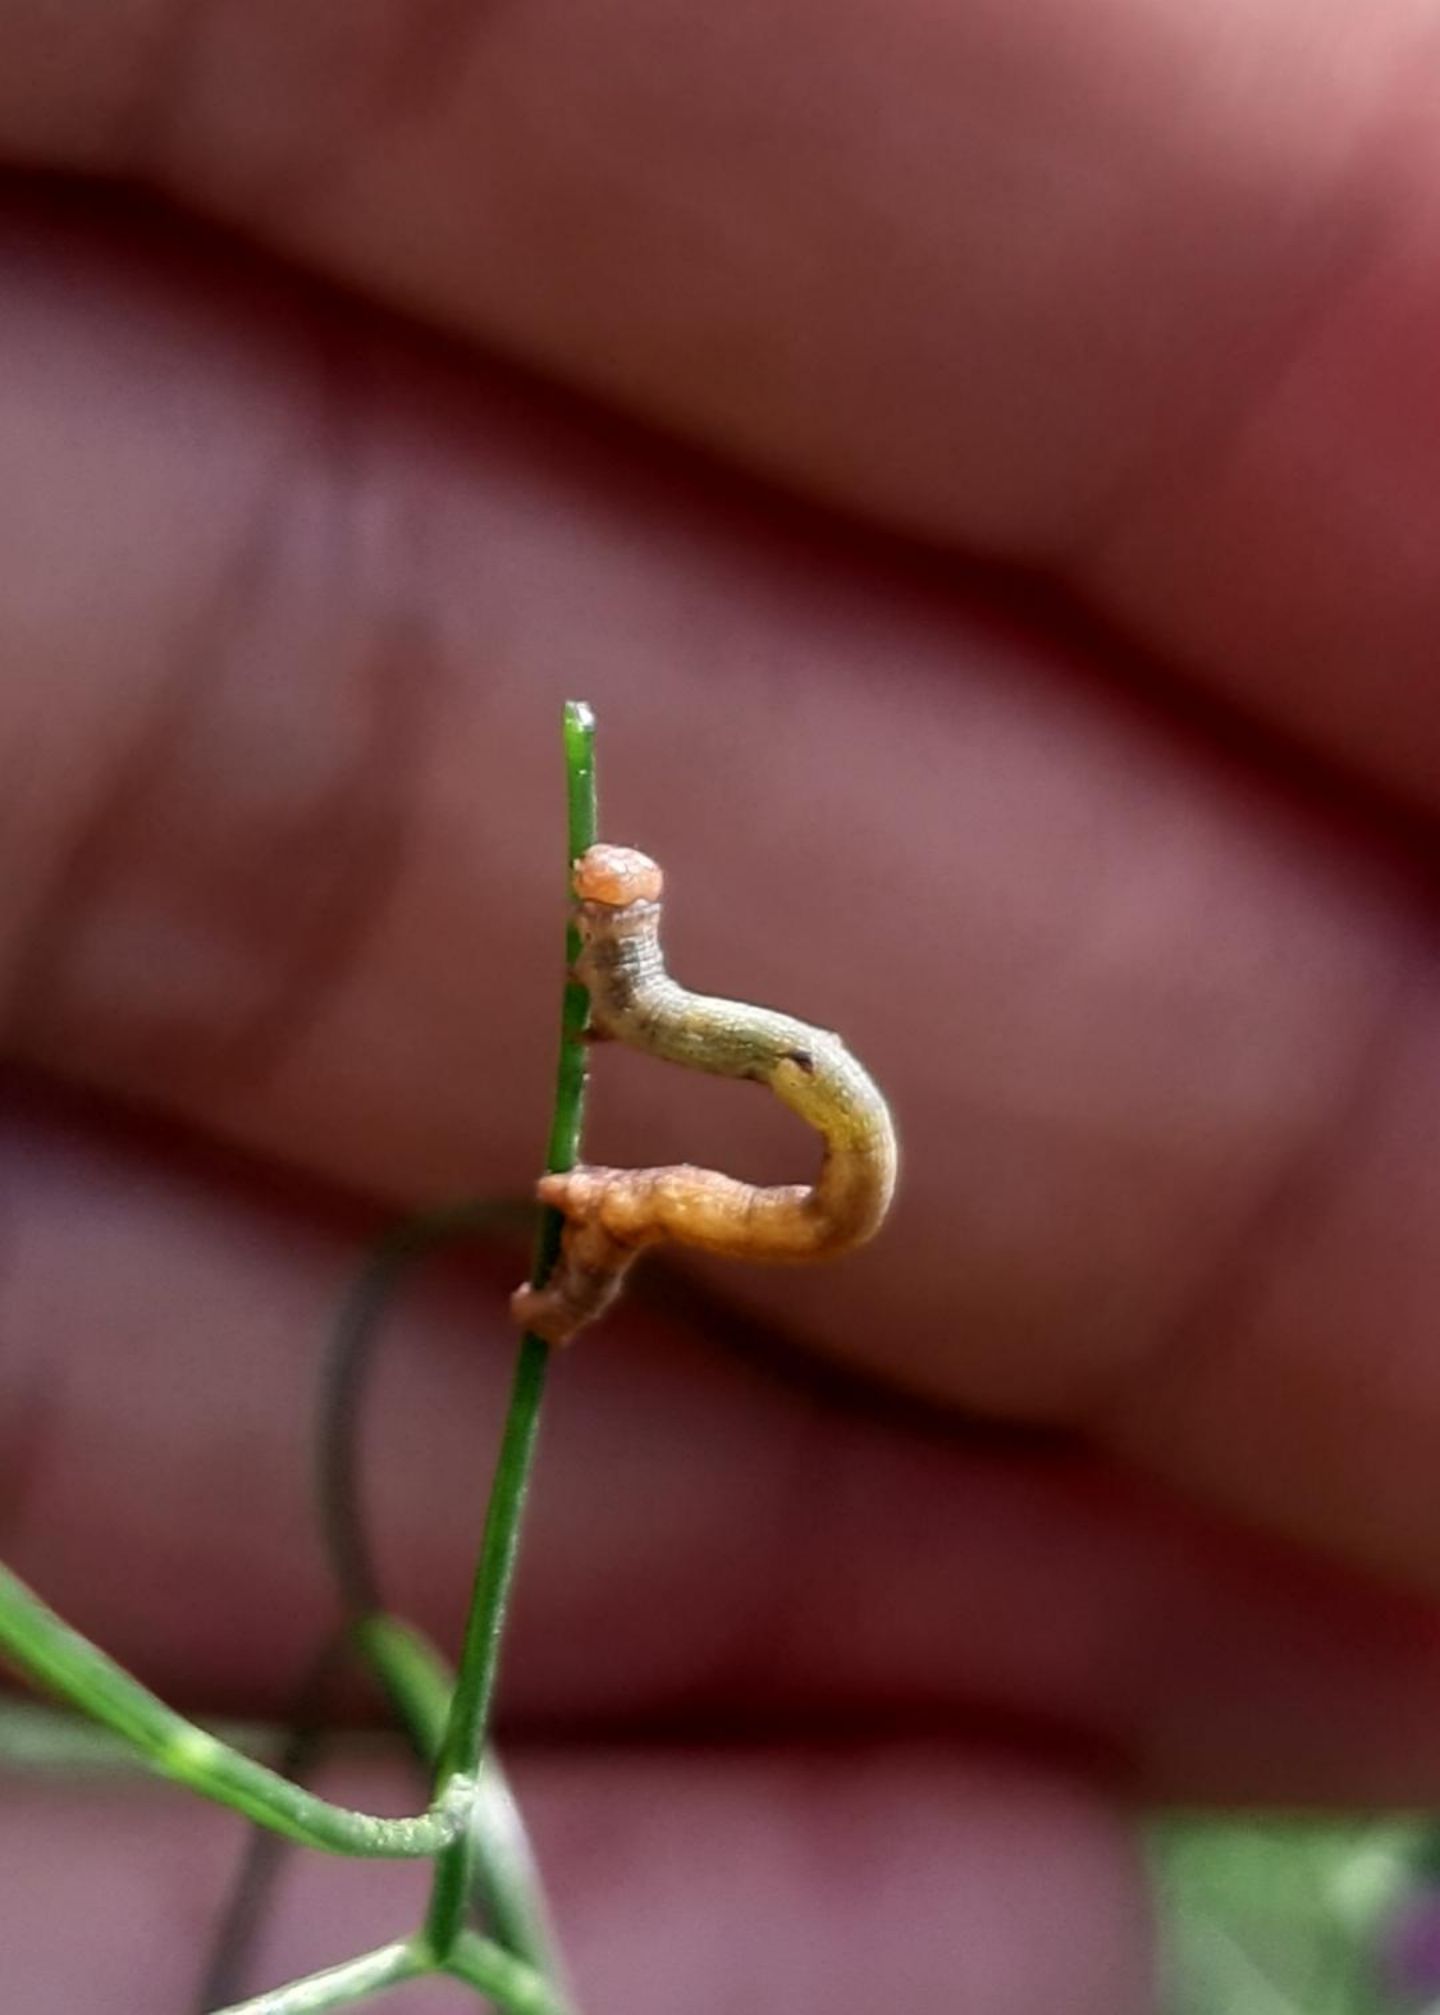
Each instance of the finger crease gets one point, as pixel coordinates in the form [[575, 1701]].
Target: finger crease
[[222, 885], [1188, 1355], [1362, 216]]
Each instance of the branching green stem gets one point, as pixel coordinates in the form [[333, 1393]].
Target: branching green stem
[[462, 1749], [416, 1679], [507, 1881], [46, 1650], [342, 1986], [508, 1982], [502, 1979], [472, 1831]]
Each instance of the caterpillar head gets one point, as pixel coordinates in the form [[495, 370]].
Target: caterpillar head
[[615, 877]]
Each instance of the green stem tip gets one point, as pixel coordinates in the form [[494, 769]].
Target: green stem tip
[[465, 1734]]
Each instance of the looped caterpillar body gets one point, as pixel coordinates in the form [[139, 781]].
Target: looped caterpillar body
[[613, 1214]]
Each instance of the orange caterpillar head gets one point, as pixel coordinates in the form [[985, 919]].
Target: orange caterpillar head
[[615, 877]]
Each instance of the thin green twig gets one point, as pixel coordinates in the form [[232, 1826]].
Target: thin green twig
[[342, 1986], [461, 1752], [472, 1831], [367, 1634], [237, 1931], [46, 1650], [506, 1981], [507, 1880], [416, 1680]]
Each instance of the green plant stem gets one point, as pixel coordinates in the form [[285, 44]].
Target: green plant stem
[[475, 1684], [503, 1979], [461, 1751], [507, 1881], [417, 1681], [223, 1975], [342, 1986], [53, 1741], [46, 1650], [506, 1981]]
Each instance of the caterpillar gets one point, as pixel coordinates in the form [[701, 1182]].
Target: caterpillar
[[613, 1214]]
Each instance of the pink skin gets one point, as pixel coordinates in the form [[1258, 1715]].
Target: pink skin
[[1140, 297]]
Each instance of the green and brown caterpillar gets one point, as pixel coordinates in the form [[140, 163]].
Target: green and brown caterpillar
[[614, 1213]]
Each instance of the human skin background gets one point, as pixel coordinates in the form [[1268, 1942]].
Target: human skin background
[[1129, 909]]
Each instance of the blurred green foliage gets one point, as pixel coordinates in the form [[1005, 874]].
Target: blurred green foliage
[[1279, 1917]]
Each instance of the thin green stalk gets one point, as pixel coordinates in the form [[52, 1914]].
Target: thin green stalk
[[344, 1376], [417, 1681], [236, 1934], [342, 1986], [46, 1650], [461, 1752], [475, 1683], [512, 1985], [507, 1881], [51, 1741]]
